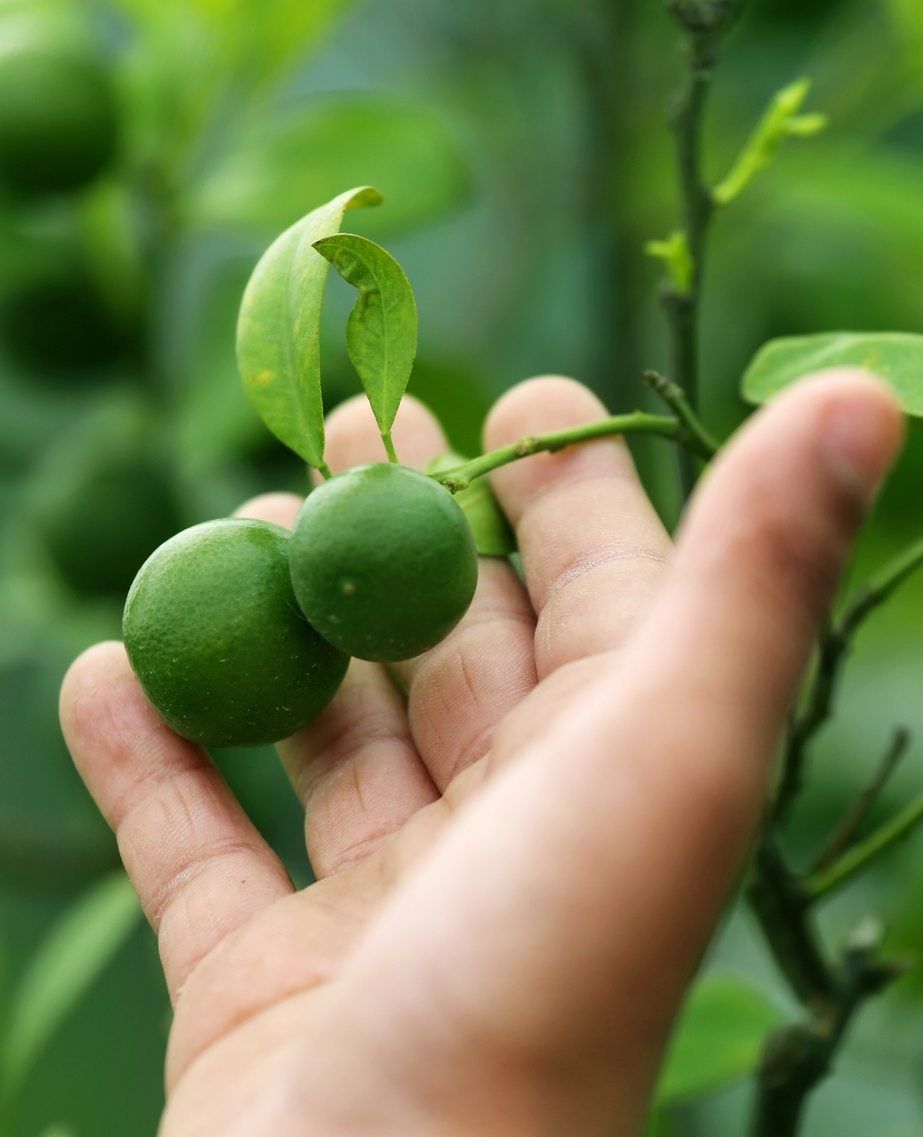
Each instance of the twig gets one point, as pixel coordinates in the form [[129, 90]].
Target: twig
[[675, 398], [877, 590], [780, 907], [637, 422], [796, 1058], [846, 832], [819, 885], [834, 647], [705, 24]]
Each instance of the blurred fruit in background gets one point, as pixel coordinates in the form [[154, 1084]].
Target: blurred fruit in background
[[58, 111]]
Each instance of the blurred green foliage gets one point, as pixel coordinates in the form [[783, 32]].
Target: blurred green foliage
[[521, 150]]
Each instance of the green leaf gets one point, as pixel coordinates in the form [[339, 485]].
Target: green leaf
[[661, 1124], [58, 1131], [781, 120], [278, 331], [677, 257], [381, 335], [73, 955], [407, 151], [896, 357], [718, 1040], [492, 533]]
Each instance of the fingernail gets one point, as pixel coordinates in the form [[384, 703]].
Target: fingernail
[[859, 443]]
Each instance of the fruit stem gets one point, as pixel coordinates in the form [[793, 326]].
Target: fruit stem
[[389, 447], [325, 472], [638, 422]]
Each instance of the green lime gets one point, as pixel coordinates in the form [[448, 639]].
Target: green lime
[[101, 524], [87, 339], [58, 116], [383, 562], [216, 639]]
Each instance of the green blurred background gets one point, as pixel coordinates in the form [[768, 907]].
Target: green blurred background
[[522, 152]]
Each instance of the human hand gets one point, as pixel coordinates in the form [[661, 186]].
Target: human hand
[[521, 863]]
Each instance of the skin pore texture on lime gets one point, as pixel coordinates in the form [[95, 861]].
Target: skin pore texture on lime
[[217, 641], [383, 562]]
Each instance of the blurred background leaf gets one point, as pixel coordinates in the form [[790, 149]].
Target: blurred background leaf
[[65, 966], [278, 171], [718, 1038]]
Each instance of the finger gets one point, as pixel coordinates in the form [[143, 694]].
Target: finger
[[627, 823], [277, 508], [198, 865], [764, 543], [355, 767], [356, 770], [460, 690], [592, 547]]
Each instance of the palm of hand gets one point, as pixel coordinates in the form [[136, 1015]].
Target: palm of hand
[[463, 964]]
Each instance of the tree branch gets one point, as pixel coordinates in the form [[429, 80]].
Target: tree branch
[[780, 907], [796, 1058], [637, 422], [682, 307], [834, 647], [675, 398], [706, 22]]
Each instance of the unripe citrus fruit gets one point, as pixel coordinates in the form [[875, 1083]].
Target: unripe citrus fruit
[[383, 562], [216, 639], [86, 339], [101, 524], [58, 118]]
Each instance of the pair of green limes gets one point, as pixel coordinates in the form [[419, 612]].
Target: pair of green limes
[[240, 633]]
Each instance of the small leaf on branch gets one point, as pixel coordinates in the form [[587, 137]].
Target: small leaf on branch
[[492, 533], [677, 258], [278, 331], [780, 121], [895, 357], [381, 335]]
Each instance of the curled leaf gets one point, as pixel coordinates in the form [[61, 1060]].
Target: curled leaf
[[781, 120], [381, 335]]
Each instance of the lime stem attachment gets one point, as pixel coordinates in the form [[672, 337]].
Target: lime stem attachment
[[389, 447]]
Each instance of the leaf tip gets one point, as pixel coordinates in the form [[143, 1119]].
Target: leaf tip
[[363, 196]]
